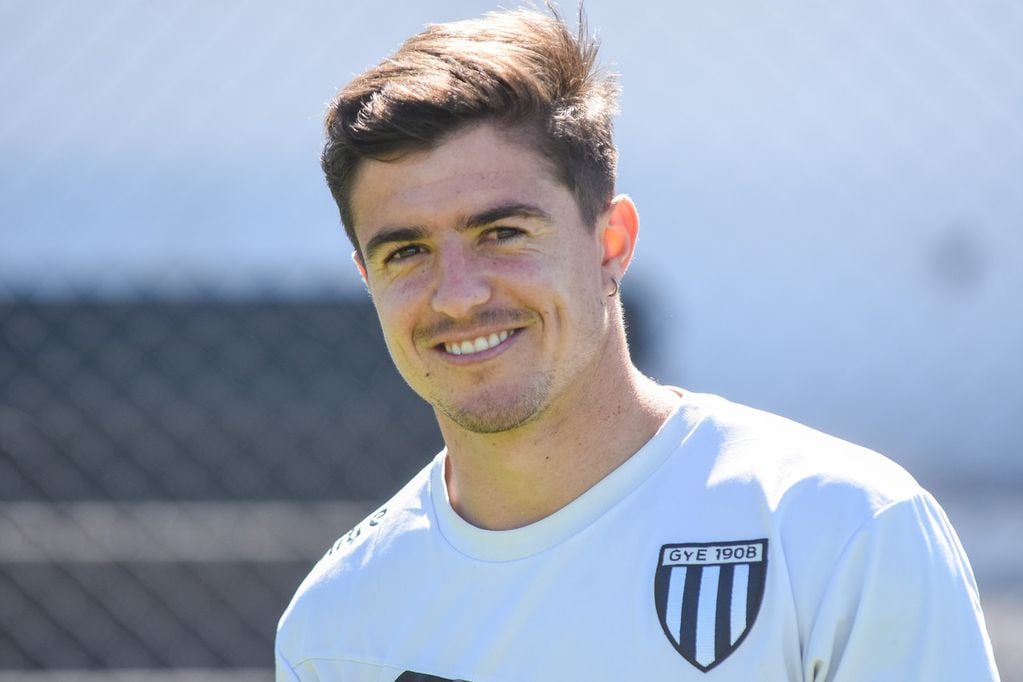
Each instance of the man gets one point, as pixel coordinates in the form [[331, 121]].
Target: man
[[584, 522]]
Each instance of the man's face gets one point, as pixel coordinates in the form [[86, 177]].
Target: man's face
[[488, 286]]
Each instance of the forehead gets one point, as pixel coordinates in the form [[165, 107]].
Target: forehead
[[469, 171]]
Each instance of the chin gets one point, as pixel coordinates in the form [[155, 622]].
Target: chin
[[497, 416]]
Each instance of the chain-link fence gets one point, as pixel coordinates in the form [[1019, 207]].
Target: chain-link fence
[[197, 401], [170, 470]]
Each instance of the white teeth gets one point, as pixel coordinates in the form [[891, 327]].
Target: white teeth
[[477, 345]]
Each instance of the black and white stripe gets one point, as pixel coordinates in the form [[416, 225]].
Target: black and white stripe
[[707, 609]]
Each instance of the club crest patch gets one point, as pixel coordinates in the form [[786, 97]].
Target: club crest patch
[[708, 595]]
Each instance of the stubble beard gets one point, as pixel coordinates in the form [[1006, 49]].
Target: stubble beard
[[492, 415]]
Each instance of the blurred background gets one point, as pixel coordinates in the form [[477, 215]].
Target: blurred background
[[194, 398]]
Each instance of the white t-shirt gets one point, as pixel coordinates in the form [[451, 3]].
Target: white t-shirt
[[734, 545]]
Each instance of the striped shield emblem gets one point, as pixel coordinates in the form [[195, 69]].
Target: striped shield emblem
[[708, 595]]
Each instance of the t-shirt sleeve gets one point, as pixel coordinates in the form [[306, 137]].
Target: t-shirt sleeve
[[902, 604]]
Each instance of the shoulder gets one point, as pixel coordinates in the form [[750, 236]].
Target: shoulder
[[362, 558], [823, 501], [793, 467], [812, 493]]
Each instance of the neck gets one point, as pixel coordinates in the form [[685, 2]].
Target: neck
[[514, 478]]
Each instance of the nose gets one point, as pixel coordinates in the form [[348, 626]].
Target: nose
[[462, 283]]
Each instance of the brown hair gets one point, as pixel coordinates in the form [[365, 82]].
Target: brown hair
[[520, 69]]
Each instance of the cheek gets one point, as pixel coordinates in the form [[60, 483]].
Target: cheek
[[570, 298], [396, 298], [395, 311], [532, 272]]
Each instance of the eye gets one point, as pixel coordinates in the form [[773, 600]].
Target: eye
[[502, 233], [403, 253]]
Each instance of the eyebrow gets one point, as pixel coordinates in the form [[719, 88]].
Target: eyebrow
[[391, 235], [477, 220], [492, 215]]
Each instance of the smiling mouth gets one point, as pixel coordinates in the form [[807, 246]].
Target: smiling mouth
[[478, 344]]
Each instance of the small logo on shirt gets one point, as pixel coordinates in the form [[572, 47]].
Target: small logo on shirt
[[708, 595], [351, 536]]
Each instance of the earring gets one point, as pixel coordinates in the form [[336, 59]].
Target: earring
[[614, 292]]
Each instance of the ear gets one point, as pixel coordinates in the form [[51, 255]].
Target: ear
[[357, 259], [618, 238]]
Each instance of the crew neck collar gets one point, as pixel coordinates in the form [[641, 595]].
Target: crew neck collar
[[520, 543]]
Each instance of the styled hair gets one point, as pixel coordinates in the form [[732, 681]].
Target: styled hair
[[521, 70]]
